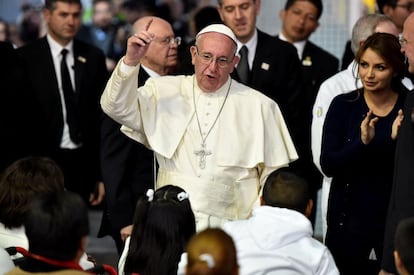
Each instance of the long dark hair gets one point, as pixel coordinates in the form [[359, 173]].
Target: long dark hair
[[162, 228], [388, 47]]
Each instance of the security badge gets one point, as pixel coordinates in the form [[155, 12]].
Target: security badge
[[265, 66], [307, 61], [81, 59]]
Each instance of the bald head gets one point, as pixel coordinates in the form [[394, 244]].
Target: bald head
[[369, 24], [161, 56]]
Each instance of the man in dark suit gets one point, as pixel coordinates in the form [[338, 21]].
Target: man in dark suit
[[66, 78], [401, 203], [299, 20], [273, 65], [14, 143], [128, 167]]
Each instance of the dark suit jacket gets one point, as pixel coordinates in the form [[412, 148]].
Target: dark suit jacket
[[127, 170], [322, 66], [401, 203], [14, 103], [46, 117], [276, 72]]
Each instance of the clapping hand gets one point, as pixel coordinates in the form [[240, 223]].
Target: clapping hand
[[396, 125], [368, 127]]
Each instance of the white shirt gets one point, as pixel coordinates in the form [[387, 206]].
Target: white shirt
[[17, 237], [6, 263], [279, 241], [56, 50]]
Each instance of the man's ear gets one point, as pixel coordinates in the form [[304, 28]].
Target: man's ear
[[399, 264], [388, 10], [309, 207], [193, 54], [282, 15], [262, 202]]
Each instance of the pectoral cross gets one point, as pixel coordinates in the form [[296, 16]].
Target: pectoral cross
[[202, 154]]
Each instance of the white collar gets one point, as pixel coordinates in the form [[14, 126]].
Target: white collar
[[300, 45], [150, 72], [56, 48]]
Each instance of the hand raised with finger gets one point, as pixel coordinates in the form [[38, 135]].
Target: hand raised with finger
[[137, 46]]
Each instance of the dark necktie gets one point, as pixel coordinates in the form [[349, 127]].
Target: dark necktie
[[70, 102], [243, 66]]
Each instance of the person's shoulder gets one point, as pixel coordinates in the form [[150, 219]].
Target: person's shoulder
[[324, 54], [69, 272], [274, 42], [250, 94], [341, 82], [33, 46], [234, 228], [5, 46], [82, 46], [346, 98], [172, 80]]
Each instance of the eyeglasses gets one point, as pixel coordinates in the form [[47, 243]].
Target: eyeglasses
[[409, 6], [403, 41], [207, 59], [170, 40]]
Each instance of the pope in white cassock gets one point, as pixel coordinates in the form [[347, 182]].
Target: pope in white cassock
[[212, 136]]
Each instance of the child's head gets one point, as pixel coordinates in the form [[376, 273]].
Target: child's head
[[286, 190], [404, 246], [163, 224], [212, 251], [21, 182]]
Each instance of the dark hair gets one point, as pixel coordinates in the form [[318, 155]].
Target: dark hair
[[51, 4], [286, 190], [138, 5], [206, 16], [21, 182], [56, 224], [317, 3], [382, 3], [220, 2], [404, 243], [388, 47], [218, 245], [162, 228]]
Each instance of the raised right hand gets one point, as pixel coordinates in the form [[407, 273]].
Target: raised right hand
[[137, 46]]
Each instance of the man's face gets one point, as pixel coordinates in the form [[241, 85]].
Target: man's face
[[162, 53], [299, 21], [63, 22], [240, 17], [407, 42], [102, 14], [213, 59], [400, 12], [3, 36]]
